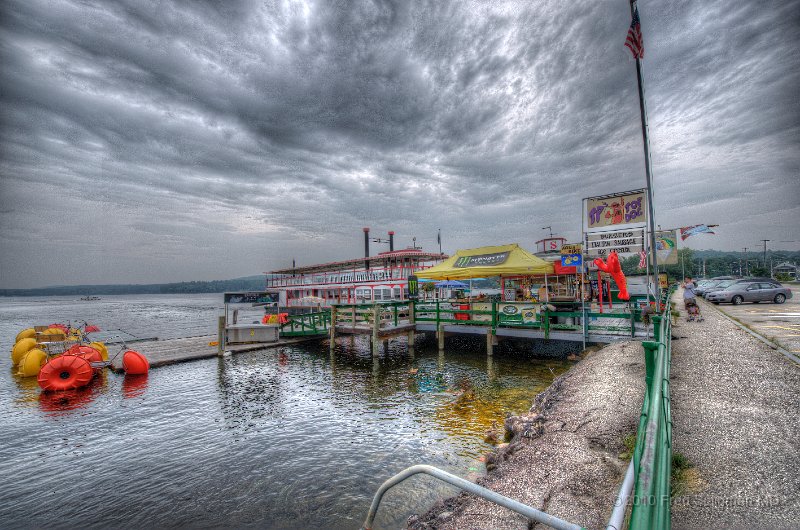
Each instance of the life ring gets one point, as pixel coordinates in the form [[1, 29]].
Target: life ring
[[66, 372]]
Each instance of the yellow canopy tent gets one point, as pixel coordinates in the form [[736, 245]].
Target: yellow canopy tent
[[503, 260]]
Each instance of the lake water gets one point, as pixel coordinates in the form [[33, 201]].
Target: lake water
[[288, 437]]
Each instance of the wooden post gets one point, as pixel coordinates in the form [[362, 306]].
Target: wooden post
[[489, 342], [441, 337], [410, 336], [376, 326], [332, 330], [221, 335]]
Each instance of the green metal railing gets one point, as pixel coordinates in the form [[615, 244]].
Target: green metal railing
[[524, 316], [305, 324], [652, 456]]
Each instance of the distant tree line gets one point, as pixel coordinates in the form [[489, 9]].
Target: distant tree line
[[717, 263], [250, 283]]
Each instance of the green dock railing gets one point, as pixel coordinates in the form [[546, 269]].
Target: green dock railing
[[527, 315], [307, 324], [651, 466], [652, 460], [493, 315]]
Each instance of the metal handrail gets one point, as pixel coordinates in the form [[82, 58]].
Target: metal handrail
[[529, 512], [650, 467]]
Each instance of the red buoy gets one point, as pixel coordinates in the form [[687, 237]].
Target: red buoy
[[66, 372], [134, 363]]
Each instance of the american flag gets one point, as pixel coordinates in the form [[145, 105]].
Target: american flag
[[634, 39]]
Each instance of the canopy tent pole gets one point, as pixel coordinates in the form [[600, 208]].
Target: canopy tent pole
[[583, 304], [600, 290], [546, 289]]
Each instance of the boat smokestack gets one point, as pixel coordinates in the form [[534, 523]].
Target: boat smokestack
[[366, 247], [391, 240]]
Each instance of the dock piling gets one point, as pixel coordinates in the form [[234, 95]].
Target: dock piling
[[332, 331], [221, 335], [376, 326]]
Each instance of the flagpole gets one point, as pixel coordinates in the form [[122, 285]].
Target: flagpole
[[647, 164]]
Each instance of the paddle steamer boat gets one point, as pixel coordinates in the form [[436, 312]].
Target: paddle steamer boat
[[382, 277]]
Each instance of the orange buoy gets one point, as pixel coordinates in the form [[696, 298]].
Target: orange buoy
[[92, 356], [89, 353], [101, 347], [66, 372], [134, 363]]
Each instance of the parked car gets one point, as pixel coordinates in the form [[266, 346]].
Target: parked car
[[724, 284], [750, 291], [717, 286]]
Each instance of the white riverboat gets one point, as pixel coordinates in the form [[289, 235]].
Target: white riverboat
[[382, 277]]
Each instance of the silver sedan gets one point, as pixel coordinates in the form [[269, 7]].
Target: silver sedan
[[751, 292]]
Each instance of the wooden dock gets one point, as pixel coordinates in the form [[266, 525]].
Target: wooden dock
[[171, 351]]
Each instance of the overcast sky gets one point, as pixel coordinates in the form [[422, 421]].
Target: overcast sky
[[149, 142]]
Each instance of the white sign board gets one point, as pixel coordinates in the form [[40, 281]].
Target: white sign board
[[618, 211], [622, 242]]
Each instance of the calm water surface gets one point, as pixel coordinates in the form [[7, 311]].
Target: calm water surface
[[287, 437]]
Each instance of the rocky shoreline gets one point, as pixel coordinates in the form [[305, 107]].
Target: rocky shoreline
[[564, 455]]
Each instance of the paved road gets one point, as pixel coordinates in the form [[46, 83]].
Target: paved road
[[779, 323]]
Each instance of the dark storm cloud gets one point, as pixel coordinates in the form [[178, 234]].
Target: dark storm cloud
[[212, 139]]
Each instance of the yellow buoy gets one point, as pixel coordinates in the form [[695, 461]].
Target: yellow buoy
[[99, 346], [20, 349], [32, 362], [29, 333]]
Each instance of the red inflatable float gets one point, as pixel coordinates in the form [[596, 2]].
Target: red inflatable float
[[134, 363], [66, 372], [87, 352]]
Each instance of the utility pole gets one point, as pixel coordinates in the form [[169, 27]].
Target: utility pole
[[746, 267], [765, 251], [683, 266]]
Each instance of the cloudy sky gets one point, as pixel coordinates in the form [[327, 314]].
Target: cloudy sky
[[163, 141]]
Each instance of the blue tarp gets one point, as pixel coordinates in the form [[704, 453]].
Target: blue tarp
[[451, 284]]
